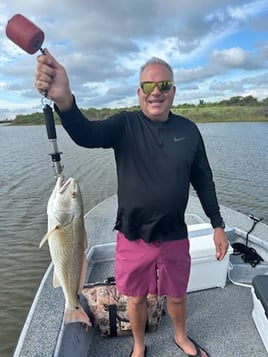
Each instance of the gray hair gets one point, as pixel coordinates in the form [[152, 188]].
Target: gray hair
[[156, 60]]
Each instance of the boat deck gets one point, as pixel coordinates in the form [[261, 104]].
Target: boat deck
[[219, 319]]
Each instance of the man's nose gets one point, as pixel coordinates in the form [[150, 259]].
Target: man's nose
[[156, 91]]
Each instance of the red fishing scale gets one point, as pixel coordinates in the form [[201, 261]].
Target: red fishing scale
[[25, 34], [29, 37]]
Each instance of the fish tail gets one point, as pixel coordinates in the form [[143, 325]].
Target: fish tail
[[76, 314]]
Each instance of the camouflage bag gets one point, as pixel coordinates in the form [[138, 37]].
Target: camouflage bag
[[109, 309]]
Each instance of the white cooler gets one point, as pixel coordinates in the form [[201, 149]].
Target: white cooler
[[206, 271]]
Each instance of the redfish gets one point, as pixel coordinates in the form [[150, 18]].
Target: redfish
[[67, 242]]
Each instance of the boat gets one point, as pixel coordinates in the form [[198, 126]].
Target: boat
[[224, 318]]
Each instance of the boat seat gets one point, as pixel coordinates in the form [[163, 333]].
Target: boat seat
[[260, 284]]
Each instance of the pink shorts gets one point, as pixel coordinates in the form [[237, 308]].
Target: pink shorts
[[160, 268]]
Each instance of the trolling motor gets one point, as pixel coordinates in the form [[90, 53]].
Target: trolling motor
[[30, 38], [249, 254]]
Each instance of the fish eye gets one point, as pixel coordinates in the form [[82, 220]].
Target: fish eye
[[73, 194]]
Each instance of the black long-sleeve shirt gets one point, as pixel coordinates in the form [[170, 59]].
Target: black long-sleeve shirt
[[156, 162]]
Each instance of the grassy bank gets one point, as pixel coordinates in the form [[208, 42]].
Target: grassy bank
[[198, 113], [224, 113]]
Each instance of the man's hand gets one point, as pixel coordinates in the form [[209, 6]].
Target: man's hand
[[221, 243], [52, 78]]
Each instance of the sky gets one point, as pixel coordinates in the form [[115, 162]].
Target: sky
[[217, 48]]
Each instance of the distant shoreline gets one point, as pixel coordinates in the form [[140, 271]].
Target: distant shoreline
[[5, 121], [198, 114]]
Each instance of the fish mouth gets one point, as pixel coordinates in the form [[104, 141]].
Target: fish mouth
[[62, 185]]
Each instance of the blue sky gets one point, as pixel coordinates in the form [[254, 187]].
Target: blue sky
[[217, 48]]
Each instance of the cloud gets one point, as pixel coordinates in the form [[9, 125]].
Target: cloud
[[236, 58], [102, 44], [222, 61]]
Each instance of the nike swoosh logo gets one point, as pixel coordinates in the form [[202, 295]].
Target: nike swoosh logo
[[179, 139]]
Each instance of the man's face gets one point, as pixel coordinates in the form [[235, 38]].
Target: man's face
[[156, 105]]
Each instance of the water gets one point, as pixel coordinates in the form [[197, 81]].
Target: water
[[238, 153]]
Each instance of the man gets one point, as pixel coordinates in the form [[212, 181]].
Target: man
[[158, 154]]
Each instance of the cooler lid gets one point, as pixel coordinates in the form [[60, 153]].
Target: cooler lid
[[203, 246], [199, 229]]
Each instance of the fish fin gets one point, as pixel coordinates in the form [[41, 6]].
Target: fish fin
[[56, 282], [45, 238], [76, 314]]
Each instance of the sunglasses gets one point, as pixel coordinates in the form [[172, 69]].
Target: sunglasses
[[163, 86]]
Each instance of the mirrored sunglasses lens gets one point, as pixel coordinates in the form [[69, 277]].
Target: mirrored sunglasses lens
[[148, 87], [164, 86]]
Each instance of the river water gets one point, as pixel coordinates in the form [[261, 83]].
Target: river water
[[238, 154]]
